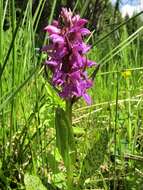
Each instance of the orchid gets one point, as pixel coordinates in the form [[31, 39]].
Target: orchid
[[66, 56]]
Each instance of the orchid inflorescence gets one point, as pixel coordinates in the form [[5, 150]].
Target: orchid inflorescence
[[66, 56]]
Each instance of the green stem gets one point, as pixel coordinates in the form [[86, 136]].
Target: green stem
[[69, 111], [69, 166]]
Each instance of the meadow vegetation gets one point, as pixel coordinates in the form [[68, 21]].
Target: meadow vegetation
[[108, 133]]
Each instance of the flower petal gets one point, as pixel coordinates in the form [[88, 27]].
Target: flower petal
[[52, 29], [85, 48], [91, 63], [84, 31], [57, 38], [58, 78], [87, 98], [51, 63], [75, 76], [76, 60], [81, 22]]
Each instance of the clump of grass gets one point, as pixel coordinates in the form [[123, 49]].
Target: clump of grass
[[27, 104]]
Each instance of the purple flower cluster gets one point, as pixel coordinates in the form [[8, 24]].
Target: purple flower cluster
[[66, 56]]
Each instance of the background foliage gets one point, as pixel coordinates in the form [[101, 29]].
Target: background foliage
[[109, 133]]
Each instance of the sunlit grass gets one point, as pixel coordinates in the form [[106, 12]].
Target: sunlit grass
[[114, 121]]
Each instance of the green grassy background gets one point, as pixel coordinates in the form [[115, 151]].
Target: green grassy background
[[109, 133]]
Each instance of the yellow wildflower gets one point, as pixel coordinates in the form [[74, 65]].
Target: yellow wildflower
[[126, 74]]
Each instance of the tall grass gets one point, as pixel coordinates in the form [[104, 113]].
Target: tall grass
[[109, 133]]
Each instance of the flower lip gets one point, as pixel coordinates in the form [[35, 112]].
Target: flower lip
[[57, 39], [87, 98], [51, 29]]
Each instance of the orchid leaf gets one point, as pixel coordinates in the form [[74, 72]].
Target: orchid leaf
[[64, 136]]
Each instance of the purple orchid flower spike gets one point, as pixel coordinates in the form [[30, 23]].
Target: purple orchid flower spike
[[66, 56]]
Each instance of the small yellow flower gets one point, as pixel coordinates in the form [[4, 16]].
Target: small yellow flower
[[126, 74]]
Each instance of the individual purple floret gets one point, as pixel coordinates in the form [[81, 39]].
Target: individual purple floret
[[66, 56]]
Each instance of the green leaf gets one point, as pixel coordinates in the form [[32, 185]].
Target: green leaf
[[64, 136], [33, 183], [94, 158]]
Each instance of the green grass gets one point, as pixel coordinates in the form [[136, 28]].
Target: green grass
[[109, 133]]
